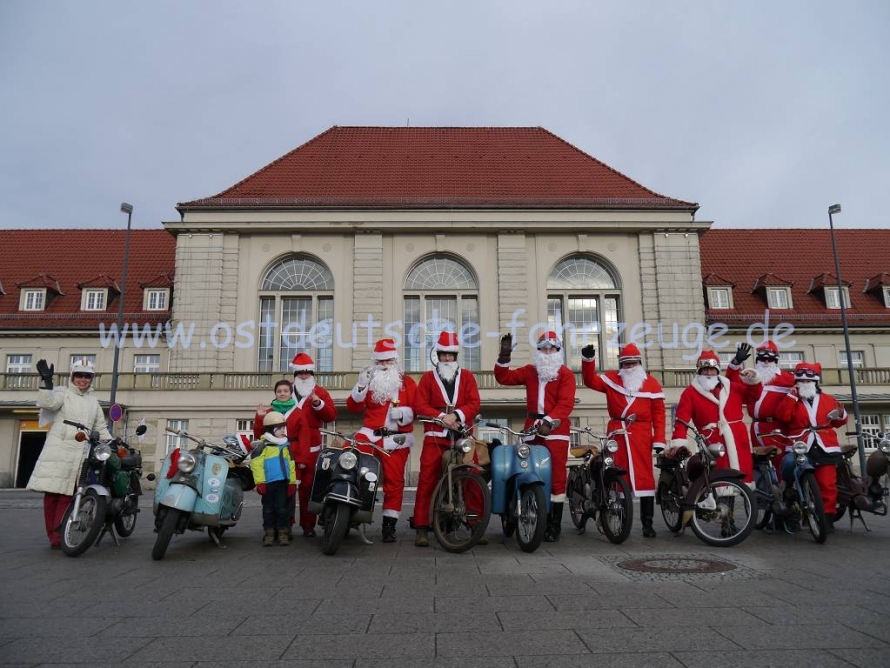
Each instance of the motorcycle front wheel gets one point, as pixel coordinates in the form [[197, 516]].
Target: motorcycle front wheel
[[126, 524], [575, 493], [336, 524], [670, 495], [763, 499], [616, 510], [79, 533], [724, 514], [814, 510], [461, 514], [532, 519], [165, 533]]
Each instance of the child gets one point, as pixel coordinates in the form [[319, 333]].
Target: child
[[275, 476]]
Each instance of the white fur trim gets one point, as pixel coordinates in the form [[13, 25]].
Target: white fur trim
[[358, 396], [388, 355], [750, 376]]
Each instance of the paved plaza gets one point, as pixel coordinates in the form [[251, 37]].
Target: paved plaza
[[779, 601]]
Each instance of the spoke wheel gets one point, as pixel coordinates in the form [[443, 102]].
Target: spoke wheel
[[80, 533], [731, 521], [126, 524], [461, 513], [763, 498], [532, 518], [670, 495], [575, 494], [813, 510], [616, 511]]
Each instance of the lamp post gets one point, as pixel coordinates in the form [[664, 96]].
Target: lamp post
[[118, 341], [854, 397]]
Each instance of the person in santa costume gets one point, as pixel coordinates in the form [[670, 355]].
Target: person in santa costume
[[632, 391], [715, 406], [386, 396], [318, 408], [550, 397], [812, 416], [451, 394]]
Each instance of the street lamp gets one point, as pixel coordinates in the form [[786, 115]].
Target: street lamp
[[833, 209], [118, 341]]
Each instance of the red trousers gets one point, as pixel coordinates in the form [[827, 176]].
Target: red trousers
[[306, 476], [826, 477], [559, 456], [393, 468], [54, 507]]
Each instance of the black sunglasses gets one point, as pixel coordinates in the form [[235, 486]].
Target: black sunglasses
[[83, 375], [809, 373]]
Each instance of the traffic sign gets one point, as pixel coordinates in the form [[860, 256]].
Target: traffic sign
[[115, 412]]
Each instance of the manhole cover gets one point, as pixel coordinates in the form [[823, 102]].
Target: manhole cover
[[676, 565]]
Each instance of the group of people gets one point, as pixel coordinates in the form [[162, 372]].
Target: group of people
[[288, 437]]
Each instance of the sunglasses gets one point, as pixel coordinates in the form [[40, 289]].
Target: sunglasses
[[549, 343], [808, 373], [767, 357], [82, 376], [630, 363]]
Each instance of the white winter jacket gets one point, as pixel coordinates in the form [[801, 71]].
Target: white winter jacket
[[59, 463]]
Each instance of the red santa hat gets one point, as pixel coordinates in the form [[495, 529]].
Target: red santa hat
[[708, 360], [768, 350], [806, 371], [302, 363], [550, 339], [447, 343], [385, 350], [630, 353]]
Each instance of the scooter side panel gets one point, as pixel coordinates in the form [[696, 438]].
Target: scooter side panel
[[505, 465], [181, 497], [213, 488]]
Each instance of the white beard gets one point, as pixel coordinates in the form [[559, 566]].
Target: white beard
[[707, 383], [548, 365], [768, 371], [633, 378], [806, 390], [304, 387], [447, 370], [385, 384]]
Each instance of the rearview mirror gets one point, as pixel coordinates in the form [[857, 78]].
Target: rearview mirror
[[141, 429]]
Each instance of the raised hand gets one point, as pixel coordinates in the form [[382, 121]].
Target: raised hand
[[742, 352]]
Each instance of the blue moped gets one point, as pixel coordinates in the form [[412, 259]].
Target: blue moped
[[199, 487], [520, 487]]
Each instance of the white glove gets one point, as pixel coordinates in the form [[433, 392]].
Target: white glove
[[364, 377], [395, 414]]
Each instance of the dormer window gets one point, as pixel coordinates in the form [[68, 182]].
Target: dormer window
[[156, 299], [33, 299], [775, 290], [831, 298], [720, 298], [887, 296], [778, 297], [94, 299]]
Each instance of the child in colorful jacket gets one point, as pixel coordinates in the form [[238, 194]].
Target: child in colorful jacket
[[276, 478]]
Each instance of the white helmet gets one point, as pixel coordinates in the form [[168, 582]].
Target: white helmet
[[82, 366]]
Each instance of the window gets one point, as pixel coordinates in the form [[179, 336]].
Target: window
[[297, 295], [94, 299], [89, 359], [871, 429], [831, 298], [147, 363], [719, 298], [856, 355], [244, 426], [18, 364], [33, 300], [174, 441], [441, 294], [778, 298], [789, 360], [583, 305], [725, 358], [887, 296], [156, 299]]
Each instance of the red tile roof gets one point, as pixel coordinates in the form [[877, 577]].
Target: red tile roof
[[745, 257], [40, 258], [435, 167]]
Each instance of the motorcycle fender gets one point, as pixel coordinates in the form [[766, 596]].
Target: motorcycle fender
[[181, 497], [100, 490], [733, 474], [343, 491]]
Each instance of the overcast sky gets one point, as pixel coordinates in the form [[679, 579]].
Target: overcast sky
[[764, 112]]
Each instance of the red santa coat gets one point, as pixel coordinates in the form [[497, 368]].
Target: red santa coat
[[553, 400], [315, 417], [763, 402], [719, 417], [644, 433], [799, 414], [377, 414], [432, 400]]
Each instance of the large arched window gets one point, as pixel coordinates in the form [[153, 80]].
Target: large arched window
[[584, 302], [441, 293], [297, 295]]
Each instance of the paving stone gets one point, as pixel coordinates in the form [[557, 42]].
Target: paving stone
[[563, 619], [492, 603], [826, 636], [773, 658], [661, 639], [363, 646], [272, 624], [216, 648], [714, 617], [620, 660], [513, 643]]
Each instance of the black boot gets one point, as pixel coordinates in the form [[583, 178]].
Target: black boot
[[647, 511], [389, 529], [554, 523]]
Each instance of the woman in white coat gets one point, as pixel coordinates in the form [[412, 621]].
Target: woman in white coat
[[59, 463]]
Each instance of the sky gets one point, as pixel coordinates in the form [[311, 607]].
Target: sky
[[765, 113]]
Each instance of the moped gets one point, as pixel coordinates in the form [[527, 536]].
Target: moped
[[461, 505], [345, 487], [520, 487], [693, 491], [801, 491], [597, 489], [858, 495], [107, 495], [202, 486]]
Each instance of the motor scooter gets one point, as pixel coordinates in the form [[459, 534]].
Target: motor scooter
[[200, 487], [858, 495], [520, 487], [345, 488]]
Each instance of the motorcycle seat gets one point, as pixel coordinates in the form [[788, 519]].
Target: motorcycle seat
[[849, 450], [580, 451], [766, 450]]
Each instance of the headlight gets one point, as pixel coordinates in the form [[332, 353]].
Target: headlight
[[348, 460], [885, 446], [523, 451], [102, 452], [717, 449], [612, 445], [465, 445], [800, 448], [187, 462]]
